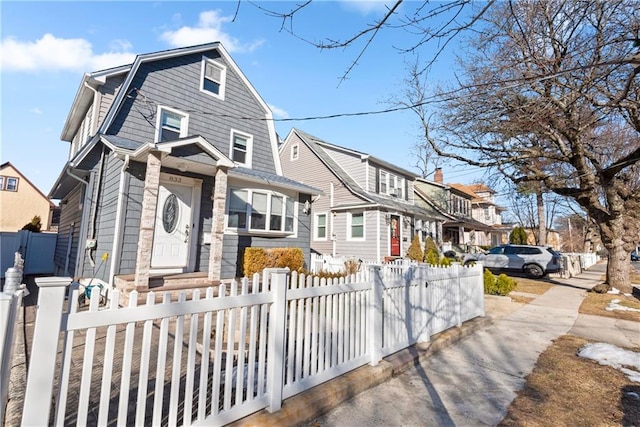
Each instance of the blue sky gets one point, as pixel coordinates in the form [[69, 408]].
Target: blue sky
[[48, 46]]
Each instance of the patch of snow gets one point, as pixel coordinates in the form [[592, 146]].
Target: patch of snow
[[627, 361], [615, 291], [615, 305]]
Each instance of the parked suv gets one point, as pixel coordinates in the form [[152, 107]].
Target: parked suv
[[535, 261]]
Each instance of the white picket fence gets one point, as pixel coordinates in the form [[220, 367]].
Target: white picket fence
[[215, 358]]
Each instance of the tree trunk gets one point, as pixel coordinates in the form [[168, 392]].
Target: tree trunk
[[618, 265], [542, 220]]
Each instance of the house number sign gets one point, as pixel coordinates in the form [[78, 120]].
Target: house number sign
[[170, 214]]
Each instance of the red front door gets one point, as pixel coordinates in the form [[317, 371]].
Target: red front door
[[395, 235]]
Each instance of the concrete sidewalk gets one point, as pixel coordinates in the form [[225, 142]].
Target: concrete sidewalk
[[473, 377]]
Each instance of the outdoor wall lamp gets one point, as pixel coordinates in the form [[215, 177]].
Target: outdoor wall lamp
[[306, 209]]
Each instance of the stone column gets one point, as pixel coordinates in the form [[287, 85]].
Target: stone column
[[147, 220], [217, 224]]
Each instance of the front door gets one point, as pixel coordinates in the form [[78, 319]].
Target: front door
[[395, 235], [174, 224]]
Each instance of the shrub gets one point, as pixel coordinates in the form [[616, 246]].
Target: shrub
[[500, 285], [445, 261], [430, 246], [415, 250], [35, 225], [351, 266], [489, 282], [257, 259], [505, 284], [432, 257], [518, 236]]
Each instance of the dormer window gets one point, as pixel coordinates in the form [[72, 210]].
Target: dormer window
[[172, 124], [213, 78], [241, 146]]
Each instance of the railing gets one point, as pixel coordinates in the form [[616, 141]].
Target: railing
[[216, 358]]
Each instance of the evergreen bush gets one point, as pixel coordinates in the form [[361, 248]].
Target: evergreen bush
[[518, 236], [414, 252]]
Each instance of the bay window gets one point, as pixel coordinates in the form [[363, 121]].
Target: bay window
[[261, 211]]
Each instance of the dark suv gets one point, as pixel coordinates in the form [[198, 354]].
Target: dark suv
[[535, 261]]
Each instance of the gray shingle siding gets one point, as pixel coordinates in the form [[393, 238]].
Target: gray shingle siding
[[104, 199], [108, 92], [175, 83], [70, 216], [133, 208]]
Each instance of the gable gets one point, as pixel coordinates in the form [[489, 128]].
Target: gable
[[175, 84]]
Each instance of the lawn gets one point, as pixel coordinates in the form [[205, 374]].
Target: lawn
[[567, 390]]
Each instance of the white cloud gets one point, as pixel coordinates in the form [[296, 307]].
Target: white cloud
[[366, 7], [207, 30], [35, 110], [50, 53], [278, 113]]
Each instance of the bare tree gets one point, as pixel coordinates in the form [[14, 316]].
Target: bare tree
[[434, 24], [551, 96]]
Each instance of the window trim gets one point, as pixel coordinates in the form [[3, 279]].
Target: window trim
[[184, 121], [249, 152], [350, 227], [316, 226], [7, 183], [295, 148], [223, 77], [1, 182], [249, 210]]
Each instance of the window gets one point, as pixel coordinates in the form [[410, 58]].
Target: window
[[321, 227], [383, 182], [1, 182], [264, 211], [238, 209], [172, 124], [289, 215], [294, 152], [259, 211], [275, 219], [487, 213], [356, 227], [241, 148], [213, 78], [12, 184]]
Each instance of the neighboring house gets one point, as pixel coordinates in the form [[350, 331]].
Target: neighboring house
[[367, 210], [553, 238], [167, 175], [20, 201], [473, 221], [485, 210]]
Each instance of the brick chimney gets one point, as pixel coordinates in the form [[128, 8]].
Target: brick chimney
[[437, 176]]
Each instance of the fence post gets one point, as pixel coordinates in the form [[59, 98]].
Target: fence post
[[9, 310], [425, 308], [375, 315], [276, 333], [458, 274], [44, 351]]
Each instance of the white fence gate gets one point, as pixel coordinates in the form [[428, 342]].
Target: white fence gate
[[213, 359]]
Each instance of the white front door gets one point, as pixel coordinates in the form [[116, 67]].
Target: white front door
[[174, 225]]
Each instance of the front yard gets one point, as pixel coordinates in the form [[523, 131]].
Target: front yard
[[565, 389]]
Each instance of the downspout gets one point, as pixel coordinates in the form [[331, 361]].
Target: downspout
[[94, 212], [115, 252]]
